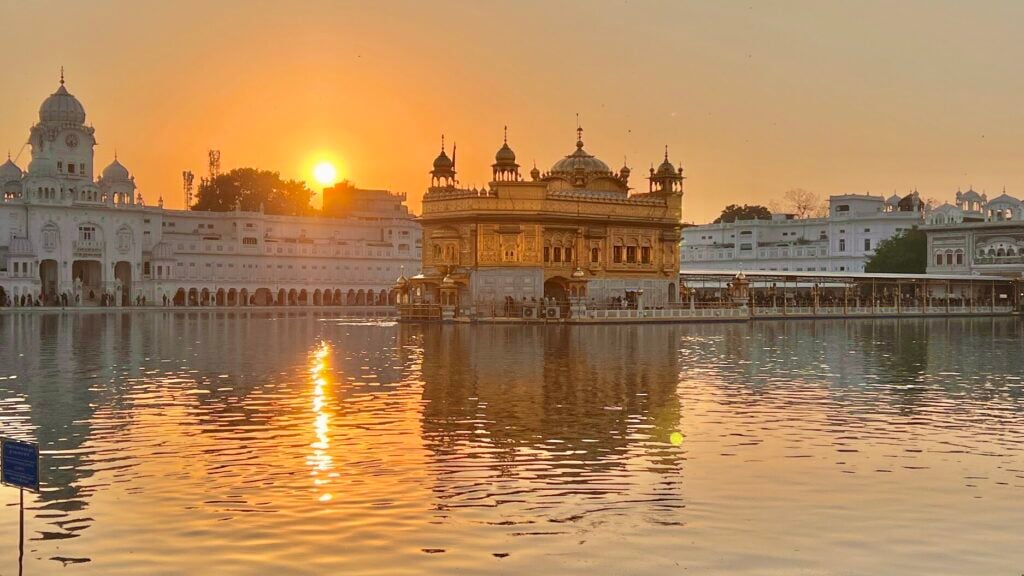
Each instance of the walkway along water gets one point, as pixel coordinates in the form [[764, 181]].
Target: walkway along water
[[741, 296]]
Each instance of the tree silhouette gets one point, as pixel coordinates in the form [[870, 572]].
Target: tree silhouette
[[734, 212], [252, 189]]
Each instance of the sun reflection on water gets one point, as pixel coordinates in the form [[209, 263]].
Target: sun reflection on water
[[320, 461]]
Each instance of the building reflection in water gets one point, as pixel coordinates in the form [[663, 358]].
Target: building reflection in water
[[578, 417]]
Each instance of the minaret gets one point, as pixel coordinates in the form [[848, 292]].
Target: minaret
[[443, 174], [667, 179]]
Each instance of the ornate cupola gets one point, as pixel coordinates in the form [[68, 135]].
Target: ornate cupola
[[117, 184], [667, 179], [505, 168], [624, 172], [443, 174]]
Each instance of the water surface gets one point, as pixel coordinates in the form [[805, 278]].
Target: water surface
[[297, 443]]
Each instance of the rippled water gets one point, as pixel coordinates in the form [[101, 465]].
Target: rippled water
[[253, 443]]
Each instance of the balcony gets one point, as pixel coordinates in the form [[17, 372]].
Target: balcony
[[997, 260], [88, 248]]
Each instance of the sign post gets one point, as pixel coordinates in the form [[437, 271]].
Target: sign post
[[19, 467]]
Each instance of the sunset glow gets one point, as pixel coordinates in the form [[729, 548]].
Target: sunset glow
[[325, 173]]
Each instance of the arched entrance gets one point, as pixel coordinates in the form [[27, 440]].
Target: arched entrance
[[243, 297], [673, 294], [3, 297], [179, 297], [48, 280], [193, 297], [280, 298], [555, 288], [123, 282], [351, 298], [220, 299], [303, 297], [263, 297], [337, 297], [232, 297], [204, 297], [360, 298], [88, 278], [293, 297]]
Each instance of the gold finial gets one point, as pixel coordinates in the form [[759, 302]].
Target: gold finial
[[61, 75], [666, 152], [442, 142], [579, 131]]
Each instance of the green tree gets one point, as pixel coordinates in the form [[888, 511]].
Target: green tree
[[252, 189], [734, 212], [904, 253]]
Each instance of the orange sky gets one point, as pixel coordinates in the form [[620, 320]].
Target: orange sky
[[754, 98]]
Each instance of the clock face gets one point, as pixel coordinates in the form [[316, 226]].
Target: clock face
[[71, 140]]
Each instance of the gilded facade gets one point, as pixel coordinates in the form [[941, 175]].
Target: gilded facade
[[575, 236]]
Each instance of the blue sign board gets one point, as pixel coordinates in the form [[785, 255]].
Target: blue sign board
[[19, 464]]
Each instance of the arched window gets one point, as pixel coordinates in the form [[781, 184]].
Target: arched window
[[595, 255], [949, 258], [938, 258], [959, 257], [50, 235]]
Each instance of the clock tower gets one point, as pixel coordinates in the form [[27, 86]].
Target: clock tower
[[62, 147]]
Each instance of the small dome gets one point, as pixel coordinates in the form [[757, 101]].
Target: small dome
[[666, 168], [61, 106], [448, 281], [578, 273], [163, 251], [21, 247], [972, 195], [535, 173], [402, 280], [505, 155], [442, 162], [115, 172], [42, 166], [1003, 198], [10, 172]]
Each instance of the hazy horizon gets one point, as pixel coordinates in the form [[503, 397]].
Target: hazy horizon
[[752, 99]]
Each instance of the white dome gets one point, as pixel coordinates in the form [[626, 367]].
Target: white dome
[[9, 172], [116, 172], [972, 195], [61, 106]]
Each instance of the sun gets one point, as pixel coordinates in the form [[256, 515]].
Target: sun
[[325, 173]]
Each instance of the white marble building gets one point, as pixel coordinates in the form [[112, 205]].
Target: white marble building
[[67, 237], [977, 236], [840, 242]]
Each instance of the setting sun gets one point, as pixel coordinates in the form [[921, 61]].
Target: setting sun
[[325, 173]]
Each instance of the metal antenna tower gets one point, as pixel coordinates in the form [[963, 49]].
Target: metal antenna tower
[[187, 178]]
